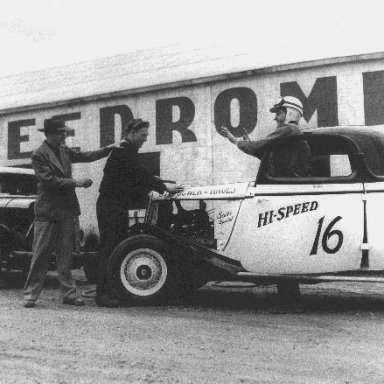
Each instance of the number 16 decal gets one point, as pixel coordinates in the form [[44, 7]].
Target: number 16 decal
[[328, 233]]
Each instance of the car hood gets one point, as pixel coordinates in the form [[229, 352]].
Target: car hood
[[209, 192]]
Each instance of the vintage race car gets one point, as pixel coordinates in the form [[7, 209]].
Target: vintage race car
[[17, 198], [18, 187], [273, 230]]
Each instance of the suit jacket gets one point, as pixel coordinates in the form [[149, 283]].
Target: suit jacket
[[56, 197], [289, 160], [126, 180]]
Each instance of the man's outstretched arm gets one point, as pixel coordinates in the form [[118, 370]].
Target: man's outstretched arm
[[256, 148]]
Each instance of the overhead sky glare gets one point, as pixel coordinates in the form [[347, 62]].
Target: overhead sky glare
[[37, 34]]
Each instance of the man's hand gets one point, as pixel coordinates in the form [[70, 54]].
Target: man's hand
[[246, 136], [84, 183], [225, 132], [164, 181], [174, 189]]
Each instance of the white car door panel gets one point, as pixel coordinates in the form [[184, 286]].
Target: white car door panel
[[299, 229]]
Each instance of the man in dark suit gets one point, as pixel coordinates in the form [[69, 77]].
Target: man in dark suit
[[56, 210], [126, 182]]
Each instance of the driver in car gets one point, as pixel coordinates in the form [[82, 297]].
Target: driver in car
[[292, 159]]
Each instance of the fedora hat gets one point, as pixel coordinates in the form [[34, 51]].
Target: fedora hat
[[54, 125]]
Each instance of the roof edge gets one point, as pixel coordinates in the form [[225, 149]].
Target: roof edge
[[199, 80]]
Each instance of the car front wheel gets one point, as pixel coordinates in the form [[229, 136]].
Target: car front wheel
[[142, 270]]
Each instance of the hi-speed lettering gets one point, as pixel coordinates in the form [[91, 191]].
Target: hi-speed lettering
[[269, 217]]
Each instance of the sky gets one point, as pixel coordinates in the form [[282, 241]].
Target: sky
[[38, 34]]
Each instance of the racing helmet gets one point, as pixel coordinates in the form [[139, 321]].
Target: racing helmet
[[287, 102]]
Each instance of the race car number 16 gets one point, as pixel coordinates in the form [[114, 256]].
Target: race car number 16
[[328, 233]]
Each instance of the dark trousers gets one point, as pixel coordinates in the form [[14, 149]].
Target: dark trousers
[[112, 219]]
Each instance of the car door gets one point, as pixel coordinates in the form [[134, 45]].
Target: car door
[[303, 225], [375, 233], [371, 146]]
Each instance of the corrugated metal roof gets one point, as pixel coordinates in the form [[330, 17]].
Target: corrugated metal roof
[[137, 72]]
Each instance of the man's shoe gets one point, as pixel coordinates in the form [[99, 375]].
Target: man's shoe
[[107, 301], [75, 301], [29, 304]]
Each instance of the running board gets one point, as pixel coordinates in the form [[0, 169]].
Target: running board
[[311, 278]]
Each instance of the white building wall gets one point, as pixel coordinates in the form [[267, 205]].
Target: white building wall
[[210, 159]]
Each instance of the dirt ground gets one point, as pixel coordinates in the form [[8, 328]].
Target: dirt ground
[[227, 335]]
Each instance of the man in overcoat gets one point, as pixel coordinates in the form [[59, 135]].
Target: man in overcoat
[[56, 211]]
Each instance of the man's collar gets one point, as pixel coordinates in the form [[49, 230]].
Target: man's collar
[[54, 154], [128, 144], [53, 147]]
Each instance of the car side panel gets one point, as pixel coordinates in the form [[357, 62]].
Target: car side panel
[[299, 229], [375, 230]]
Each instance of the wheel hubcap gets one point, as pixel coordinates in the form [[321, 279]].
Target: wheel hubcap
[[143, 272]]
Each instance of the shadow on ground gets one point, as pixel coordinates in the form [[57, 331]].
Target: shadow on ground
[[330, 297], [324, 299]]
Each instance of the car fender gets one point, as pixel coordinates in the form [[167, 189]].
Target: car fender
[[188, 250], [10, 238]]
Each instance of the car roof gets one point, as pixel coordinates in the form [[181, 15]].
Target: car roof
[[369, 141], [14, 170], [364, 137], [347, 130]]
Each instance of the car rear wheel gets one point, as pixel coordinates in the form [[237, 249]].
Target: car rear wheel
[[142, 270]]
